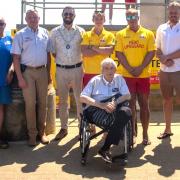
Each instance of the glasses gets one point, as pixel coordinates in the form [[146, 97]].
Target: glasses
[[98, 12], [2, 24], [68, 14], [128, 18]]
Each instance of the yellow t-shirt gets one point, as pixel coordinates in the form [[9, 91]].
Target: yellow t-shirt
[[135, 46], [106, 38]]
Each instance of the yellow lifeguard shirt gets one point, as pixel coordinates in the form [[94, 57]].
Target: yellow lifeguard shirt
[[135, 46], [90, 38]]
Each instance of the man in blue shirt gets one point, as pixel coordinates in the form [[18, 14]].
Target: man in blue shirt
[[6, 70]]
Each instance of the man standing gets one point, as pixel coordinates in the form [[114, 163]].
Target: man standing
[[66, 40], [31, 59], [135, 49], [97, 45], [168, 51]]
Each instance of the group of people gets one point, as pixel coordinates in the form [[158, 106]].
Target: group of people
[[73, 48]]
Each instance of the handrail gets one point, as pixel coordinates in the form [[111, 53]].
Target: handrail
[[94, 4]]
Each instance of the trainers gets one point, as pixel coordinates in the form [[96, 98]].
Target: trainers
[[62, 133], [3, 144], [106, 156]]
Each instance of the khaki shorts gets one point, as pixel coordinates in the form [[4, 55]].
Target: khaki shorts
[[170, 82]]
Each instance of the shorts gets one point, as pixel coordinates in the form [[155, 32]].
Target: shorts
[[5, 95], [169, 81], [87, 78], [130, 1], [138, 85], [108, 0]]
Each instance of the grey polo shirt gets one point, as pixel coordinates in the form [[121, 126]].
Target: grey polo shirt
[[32, 46], [99, 89]]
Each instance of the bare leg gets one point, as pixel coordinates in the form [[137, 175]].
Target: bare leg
[[168, 108], [144, 113], [110, 13]]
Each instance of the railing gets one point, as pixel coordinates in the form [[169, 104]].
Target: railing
[[45, 5]]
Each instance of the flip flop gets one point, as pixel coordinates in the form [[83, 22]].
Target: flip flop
[[146, 142], [164, 135]]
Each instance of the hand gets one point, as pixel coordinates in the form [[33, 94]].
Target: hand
[[163, 59], [22, 83], [169, 63], [137, 71], [109, 106], [9, 76]]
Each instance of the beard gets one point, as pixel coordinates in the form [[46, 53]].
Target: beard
[[68, 22]]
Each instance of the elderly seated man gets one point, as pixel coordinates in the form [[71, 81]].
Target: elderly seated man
[[111, 114]]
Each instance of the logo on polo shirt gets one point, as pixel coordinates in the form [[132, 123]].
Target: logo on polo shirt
[[115, 90]]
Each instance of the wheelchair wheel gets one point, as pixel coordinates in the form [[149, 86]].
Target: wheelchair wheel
[[129, 128], [84, 141]]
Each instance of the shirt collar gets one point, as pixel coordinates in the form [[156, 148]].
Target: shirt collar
[[30, 29], [106, 82], [64, 28]]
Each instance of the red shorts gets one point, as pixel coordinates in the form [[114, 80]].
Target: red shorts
[[87, 78], [130, 1], [138, 85], [108, 0]]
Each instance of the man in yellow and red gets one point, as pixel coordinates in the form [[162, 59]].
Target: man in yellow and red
[[135, 48], [97, 45]]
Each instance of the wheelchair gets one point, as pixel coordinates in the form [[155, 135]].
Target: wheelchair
[[86, 137]]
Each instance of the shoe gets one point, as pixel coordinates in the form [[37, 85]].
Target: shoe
[[146, 142], [32, 142], [165, 135], [62, 134], [44, 139], [3, 144], [106, 156]]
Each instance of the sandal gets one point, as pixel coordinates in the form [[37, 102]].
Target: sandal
[[146, 142], [164, 135]]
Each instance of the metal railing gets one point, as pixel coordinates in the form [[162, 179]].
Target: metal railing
[[91, 4]]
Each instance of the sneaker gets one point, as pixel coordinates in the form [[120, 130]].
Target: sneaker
[[3, 144], [106, 156], [62, 134]]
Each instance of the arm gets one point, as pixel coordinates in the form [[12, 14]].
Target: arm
[[88, 51], [16, 61], [138, 70], [9, 76], [108, 107], [108, 50], [122, 60]]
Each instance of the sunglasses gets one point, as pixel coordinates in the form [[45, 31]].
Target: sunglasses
[[68, 14], [98, 12], [128, 18], [2, 24]]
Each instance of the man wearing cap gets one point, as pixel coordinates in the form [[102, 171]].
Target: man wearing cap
[[31, 60], [66, 40], [135, 48]]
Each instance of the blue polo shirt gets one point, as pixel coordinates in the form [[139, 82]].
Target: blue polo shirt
[[5, 58]]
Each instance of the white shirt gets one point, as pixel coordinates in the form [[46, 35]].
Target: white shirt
[[32, 46], [99, 89], [66, 44], [168, 40]]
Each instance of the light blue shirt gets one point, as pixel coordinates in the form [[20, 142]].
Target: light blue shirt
[[99, 89], [32, 46]]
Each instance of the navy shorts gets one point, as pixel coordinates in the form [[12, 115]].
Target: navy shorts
[[5, 95]]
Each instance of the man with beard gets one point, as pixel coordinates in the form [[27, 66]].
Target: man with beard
[[66, 49], [168, 51]]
